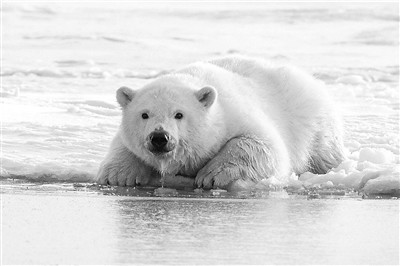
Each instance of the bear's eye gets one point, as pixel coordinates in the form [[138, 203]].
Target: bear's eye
[[145, 116], [178, 116]]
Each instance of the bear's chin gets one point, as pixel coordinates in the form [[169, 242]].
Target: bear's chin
[[166, 165], [160, 159], [162, 155]]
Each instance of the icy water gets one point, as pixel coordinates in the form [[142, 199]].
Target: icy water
[[42, 225], [61, 65]]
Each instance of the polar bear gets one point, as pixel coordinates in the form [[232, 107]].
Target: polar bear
[[223, 121]]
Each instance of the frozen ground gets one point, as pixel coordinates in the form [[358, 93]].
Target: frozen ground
[[62, 63]]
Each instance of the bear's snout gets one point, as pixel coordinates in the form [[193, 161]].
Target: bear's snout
[[160, 142]]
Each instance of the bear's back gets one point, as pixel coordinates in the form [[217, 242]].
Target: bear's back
[[297, 103], [243, 66], [288, 88]]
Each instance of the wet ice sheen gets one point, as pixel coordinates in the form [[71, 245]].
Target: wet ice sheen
[[82, 228]]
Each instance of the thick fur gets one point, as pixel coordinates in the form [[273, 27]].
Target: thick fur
[[243, 119]]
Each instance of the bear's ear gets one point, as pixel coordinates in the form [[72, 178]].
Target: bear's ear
[[207, 96], [124, 96]]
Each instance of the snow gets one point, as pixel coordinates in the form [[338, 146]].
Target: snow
[[378, 156], [62, 62]]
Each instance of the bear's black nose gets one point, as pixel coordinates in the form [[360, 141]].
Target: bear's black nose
[[159, 140]]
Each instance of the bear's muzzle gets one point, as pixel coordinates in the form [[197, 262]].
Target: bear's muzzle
[[160, 142]]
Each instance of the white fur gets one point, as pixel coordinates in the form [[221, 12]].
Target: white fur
[[277, 114]]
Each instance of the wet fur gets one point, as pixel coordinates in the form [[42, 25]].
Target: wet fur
[[266, 121]]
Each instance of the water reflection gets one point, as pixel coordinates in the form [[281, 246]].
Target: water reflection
[[80, 228], [250, 231]]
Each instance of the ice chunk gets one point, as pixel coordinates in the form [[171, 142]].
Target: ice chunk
[[353, 145], [217, 192], [382, 183], [327, 184], [351, 79], [307, 175], [6, 92], [347, 166], [198, 190], [4, 173], [162, 191], [378, 156]]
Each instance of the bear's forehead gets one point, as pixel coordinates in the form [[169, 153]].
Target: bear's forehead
[[166, 92], [164, 100], [162, 93]]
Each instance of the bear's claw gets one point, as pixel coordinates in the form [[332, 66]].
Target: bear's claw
[[122, 168], [216, 178], [111, 175]]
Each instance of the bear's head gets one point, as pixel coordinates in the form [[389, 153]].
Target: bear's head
[[167, 123]]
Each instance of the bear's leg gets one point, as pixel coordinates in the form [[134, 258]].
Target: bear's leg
[[121, 167], [244, 158], [327, 153]]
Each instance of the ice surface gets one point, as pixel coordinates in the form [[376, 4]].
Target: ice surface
[[77, 228], [58, 107], [162, 191]]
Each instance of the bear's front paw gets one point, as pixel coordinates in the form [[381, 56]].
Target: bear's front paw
[[219, 177], [113, 175]]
